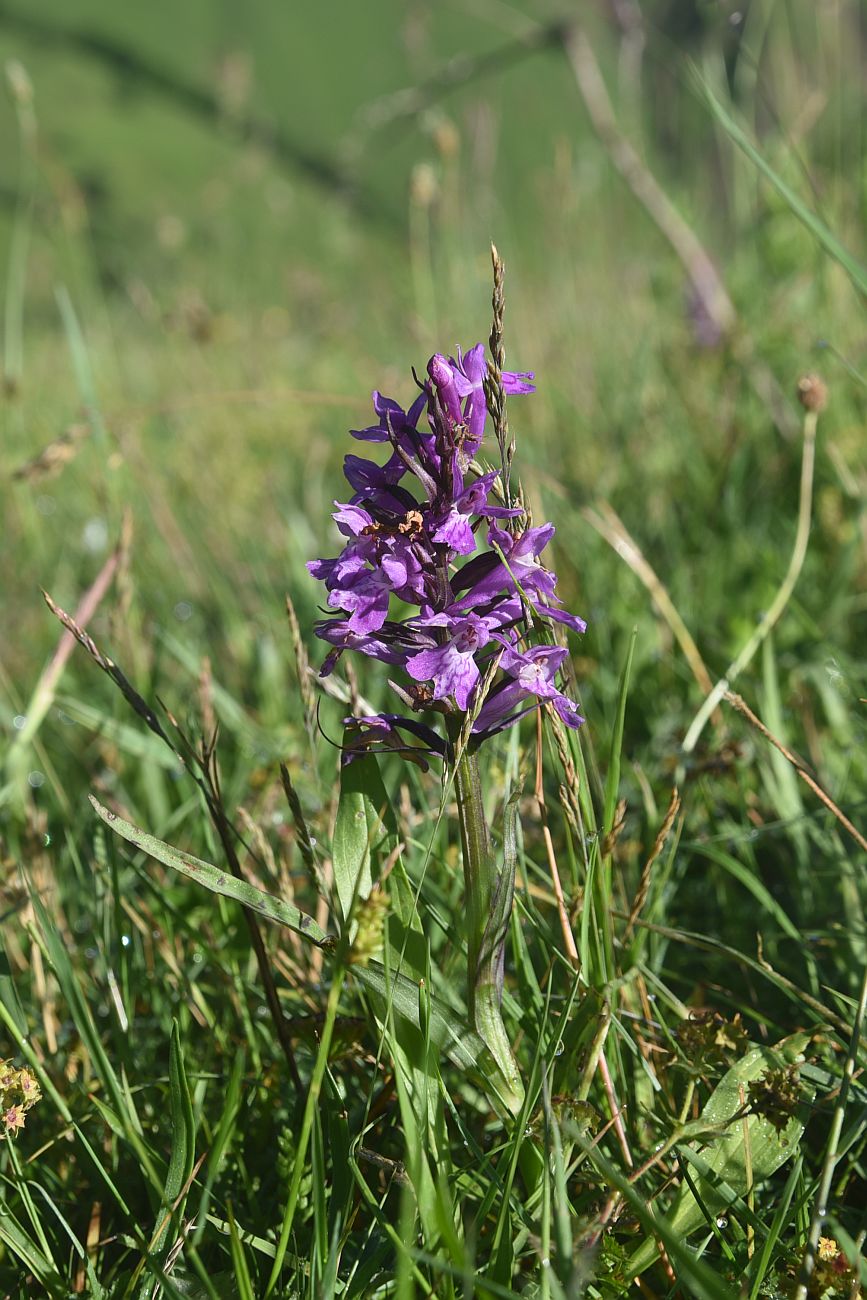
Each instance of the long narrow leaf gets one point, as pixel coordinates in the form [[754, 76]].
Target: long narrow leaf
[[219, 882], [817, 228]]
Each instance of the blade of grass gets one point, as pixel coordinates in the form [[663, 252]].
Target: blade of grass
[[817, 228], [219, 882]]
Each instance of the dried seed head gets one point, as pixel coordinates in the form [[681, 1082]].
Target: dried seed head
[[775, 1095], [707, 1039], [812, 393]]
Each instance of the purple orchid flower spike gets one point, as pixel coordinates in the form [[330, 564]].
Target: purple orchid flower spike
[[434, 582], [413, 532]]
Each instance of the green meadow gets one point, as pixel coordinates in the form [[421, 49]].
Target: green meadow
[[238, 1058]]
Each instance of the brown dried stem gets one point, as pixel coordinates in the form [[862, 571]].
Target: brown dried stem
[[703, 276], [742, 707], [658, 846], [202, 768]]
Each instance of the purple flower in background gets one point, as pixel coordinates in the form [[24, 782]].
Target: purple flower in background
[[409, 527]]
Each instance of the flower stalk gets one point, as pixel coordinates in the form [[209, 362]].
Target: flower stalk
[[489, 889], [430, 527]]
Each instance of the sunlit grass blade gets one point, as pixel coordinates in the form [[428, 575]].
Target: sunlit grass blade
[[219, 882], [817, 228]]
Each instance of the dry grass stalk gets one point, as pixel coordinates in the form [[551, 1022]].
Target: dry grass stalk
[[647, 873], [741, 705], [609, 525], [302, 668], [569, 788], [704, 278], [43, 696], [495, 393], [51, 459]]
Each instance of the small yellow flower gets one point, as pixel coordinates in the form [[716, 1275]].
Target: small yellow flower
[[19, 1090], [28, 1085], [13, 1118]]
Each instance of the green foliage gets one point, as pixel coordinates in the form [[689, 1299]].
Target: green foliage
[[196, 306]]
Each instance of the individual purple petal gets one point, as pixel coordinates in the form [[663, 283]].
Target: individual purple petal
[[562, 616], [341, 571], [351, 519], [568, 710], [366, 476], [455, 531], [501, 512], [337, 632], [470, 367], [366, 600], [393, 419], [321, 569], [451, 667], [443, 375], [515, 381]]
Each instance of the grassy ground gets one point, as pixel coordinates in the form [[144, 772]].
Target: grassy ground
[[220, 234]]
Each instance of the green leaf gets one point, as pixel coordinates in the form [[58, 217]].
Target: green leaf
[[364, 832], [723, 1167], [183, 1124], [220, 1143], [612, 781], [219, 882], [445, 1028], [29, 1255], [180, 1162]]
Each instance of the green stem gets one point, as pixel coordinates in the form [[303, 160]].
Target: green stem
[[780, 601], [307, 1125], [488, 901]]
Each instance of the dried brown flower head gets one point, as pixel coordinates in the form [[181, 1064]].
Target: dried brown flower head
[[812, 393]]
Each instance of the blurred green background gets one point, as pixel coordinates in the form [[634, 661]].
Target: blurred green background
[[224, 225]]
